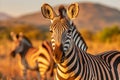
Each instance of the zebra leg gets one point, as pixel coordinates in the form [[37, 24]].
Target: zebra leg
[[38, 75], [119, 70], [52, 68], [25, 74], [51, 71]]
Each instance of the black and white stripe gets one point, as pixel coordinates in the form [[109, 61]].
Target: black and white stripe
[[78, 39]]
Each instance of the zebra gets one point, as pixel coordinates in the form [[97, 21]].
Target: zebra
[[73, 63], [35, 59]]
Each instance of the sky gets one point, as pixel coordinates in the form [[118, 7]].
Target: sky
[[17, 8]]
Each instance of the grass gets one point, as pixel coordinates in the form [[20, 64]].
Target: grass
[[98, 47]]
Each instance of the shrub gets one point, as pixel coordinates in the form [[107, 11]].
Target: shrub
[[107, 34], [31, 31]]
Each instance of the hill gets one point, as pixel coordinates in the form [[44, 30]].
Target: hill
[[91, 16], [4, 16]]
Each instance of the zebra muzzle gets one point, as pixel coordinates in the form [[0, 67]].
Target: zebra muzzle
[[63, 54], [58, 53]]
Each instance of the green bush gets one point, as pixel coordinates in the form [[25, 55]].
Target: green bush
[[107, 34]]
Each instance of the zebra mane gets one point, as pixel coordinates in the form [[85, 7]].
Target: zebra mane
[[62, 11], [80, 41], [25, 40]]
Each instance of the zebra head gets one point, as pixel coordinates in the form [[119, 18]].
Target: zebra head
[[20, 44], [59, 23], [61, 51]]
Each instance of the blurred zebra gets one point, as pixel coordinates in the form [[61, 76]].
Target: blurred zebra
[[36, 59], [72, 62]]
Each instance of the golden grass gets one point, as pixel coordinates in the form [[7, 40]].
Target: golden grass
[[10, 66], [98, 47]]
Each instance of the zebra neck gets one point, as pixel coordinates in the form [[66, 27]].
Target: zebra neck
[[78, 39], [70, 67]]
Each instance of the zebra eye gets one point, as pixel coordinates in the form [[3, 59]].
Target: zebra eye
[[69, 31]]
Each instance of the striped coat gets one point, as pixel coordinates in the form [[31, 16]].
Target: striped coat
[[76, 64], [36, 59]]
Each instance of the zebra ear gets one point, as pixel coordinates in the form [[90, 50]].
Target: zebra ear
[[73, 10], [48, 11], [13, 36]]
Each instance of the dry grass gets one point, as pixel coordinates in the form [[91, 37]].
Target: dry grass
[[10, 68], [98, 47]]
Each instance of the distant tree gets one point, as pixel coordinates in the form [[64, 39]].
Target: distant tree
[[4, 31], [31, 31]]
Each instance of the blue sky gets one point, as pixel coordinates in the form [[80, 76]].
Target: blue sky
[[21, 7]]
